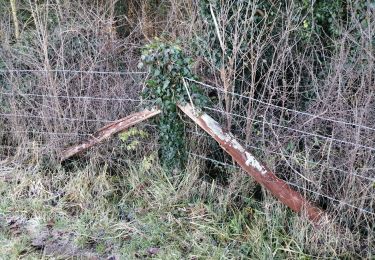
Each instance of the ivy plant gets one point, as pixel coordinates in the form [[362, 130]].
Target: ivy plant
[[129, 138], [169, 70]]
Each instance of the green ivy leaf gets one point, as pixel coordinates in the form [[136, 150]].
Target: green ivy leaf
[[168, 65]]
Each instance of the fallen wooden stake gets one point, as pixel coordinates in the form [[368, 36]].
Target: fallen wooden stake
[[254, 167], [109, 130]]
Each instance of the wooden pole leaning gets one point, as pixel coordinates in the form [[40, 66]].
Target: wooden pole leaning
[[254, 167]]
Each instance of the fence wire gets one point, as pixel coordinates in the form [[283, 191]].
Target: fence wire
[[71, 71], [341, 202], [208, 108], [57, 118], [291, 157], [294, 130], [123, 99], [202, 135], [72, 97], [280, 107], [292, 184]]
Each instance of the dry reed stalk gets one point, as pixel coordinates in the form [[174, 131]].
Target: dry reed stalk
[[15, 19]]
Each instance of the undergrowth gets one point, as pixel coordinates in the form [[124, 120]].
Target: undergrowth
[[142, 212], [293, 80]]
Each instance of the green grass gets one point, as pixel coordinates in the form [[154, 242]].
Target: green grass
[[144, 212]]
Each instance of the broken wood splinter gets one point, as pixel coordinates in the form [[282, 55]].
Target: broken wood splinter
[[109, 130]]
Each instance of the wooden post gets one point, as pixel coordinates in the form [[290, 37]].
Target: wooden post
[[108, 131], [254, 167]]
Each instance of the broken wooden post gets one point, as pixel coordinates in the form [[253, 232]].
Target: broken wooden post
[[254, 167], [227, 141], [109, 130]]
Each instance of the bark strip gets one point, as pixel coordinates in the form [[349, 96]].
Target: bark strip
[[254, 167], [108, 131]]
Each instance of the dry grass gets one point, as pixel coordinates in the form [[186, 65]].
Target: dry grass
[[142, 212], [207, 210]]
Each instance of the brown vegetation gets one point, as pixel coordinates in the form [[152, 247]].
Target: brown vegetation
[[302, 99]]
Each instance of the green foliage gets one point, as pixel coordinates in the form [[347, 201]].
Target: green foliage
[[168, 66], [322, 19], [327, 19], [128, 138]]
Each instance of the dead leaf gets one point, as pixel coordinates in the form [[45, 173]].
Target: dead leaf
[[153, 250]]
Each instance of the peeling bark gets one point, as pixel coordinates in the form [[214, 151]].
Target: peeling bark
[[108, 131], [255, 168]]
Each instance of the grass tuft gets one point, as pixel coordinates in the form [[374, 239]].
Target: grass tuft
[[140, 212]]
